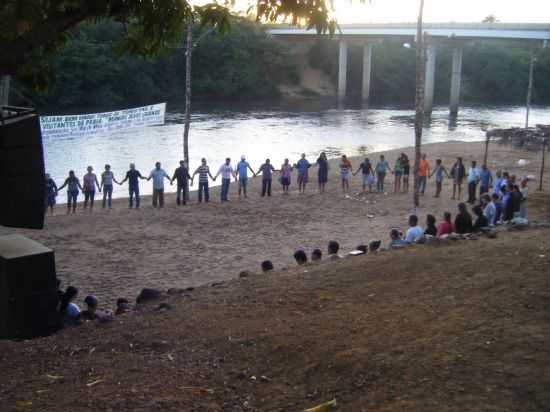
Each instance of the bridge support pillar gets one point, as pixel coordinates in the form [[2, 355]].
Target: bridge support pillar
[[367, 66], [342, 69], [430, 79], [5, 90], [456, 76]]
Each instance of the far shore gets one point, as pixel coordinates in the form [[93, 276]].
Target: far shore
[[114, 253]]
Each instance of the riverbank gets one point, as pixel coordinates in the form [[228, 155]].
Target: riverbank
[[457, 326], [115, 253]]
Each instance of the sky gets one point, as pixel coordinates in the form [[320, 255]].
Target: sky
[[400, 11]]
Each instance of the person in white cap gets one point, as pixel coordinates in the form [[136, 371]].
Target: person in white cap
[[242, 171]]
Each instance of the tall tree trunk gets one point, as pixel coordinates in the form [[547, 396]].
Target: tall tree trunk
[[188, 61], [542, 162], [419, 102], [530, 88], [5, 90]]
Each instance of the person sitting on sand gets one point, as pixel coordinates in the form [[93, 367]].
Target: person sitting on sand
[[267, 266], [463, 220], [345, 171], [396, 241], [431, 229], [266, 170], [481, 221], [69, 311], [316, 255], [301, 257], [446, 227], [122, 306], [303, 166], [458, 171], [374, 246], [489, 208], [73, 184], [333, 248], [182, 177], [439, 171], [367, 173], [90, 313], [415, 233]]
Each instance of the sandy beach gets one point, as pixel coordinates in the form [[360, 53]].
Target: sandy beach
[[114, 253]]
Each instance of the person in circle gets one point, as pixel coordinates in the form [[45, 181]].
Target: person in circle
[[322, 173], [398, 173], [303, 166], [50, 193], [266, 170], [132, 177], [73, 184], [286, 171], [242, 172], [406, 166], [367, 173], [345, 171], [107, 179], [458, 172], [381, 168], [89, 183]]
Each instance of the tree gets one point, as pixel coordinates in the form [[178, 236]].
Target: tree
[[491, 18], [32, 31], [419, 103]]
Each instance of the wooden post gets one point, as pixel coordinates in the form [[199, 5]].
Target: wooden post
[[486, 155], [188, 62], [530, 88], [419, 103], [542, 162]]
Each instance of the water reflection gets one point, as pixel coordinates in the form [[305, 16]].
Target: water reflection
[[276, 133]]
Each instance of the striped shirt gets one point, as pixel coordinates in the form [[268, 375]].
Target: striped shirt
[[203, 173]]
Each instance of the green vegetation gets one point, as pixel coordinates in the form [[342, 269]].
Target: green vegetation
[[243, 63], [491, 74]]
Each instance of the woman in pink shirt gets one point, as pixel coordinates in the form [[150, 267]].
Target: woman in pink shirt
[[89, 184], [286, 171], [445, 227]]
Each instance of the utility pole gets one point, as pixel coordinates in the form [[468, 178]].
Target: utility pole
[[530, 87], [419, 103]]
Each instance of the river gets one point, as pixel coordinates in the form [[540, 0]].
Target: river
[[276, 132]]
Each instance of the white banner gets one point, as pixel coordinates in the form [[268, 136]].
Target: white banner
[[86, 124]]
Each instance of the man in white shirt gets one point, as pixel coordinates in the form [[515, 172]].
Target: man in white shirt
[[415, 232], [226, 170], [473, 179], [158, 175]]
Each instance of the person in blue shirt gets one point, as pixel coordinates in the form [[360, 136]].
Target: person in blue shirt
[[497, 185], [473, 180], [485, 180], [396, 241], [380, 169], [242, 172], [303, 166]]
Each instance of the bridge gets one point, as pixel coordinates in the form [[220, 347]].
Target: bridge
[[454, 35]]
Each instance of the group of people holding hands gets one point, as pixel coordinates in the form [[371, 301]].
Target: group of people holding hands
[[372, 175]]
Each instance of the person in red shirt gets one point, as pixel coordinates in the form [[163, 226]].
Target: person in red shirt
[[423, 173], [445, 227]]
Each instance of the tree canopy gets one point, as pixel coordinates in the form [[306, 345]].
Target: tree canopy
[[32, 31]]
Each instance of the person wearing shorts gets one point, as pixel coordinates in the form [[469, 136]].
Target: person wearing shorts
[[303, 168], [73, 184], [368, 174], [286, 171], [89, 183], [439, 171], [345, 171]]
